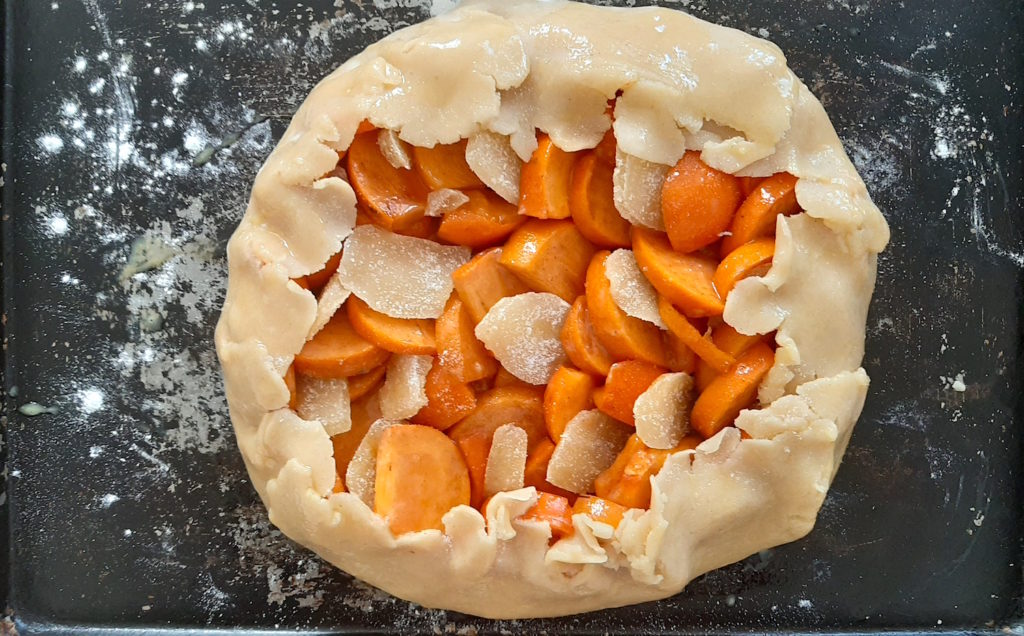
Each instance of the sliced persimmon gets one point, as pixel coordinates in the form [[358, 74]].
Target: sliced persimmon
[[626, 381], [679, 356], [449, 399], [316, 281], [568, 392], [505, 405], [627, 481], [485, 220], [553, 510], [756, 216], [581, 344], [681, 327], [591, 201], [338, 351], [365, 383], [749, 184], [600, 509], [537, 461], [750, 259], [424, 228], [484, 281], [458, 348], [733, 342], [730, 342], [544, 183], [625, 337], [289, 382], [633, 489], [605, 150], [722, 400], [685, 279], [504, 378], [397, 335], [536, 473], [549, 256], [365, 411], [362, 216], [444, 166], [394, 198], [613, 473], [475, 448], [697, 203], [421, 475]]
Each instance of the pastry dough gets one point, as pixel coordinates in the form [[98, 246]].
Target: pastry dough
[[500, 70]]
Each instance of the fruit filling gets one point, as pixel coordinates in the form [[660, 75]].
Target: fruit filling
[[557, 324]]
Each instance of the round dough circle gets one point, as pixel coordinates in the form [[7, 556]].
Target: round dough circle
[[506, 69]]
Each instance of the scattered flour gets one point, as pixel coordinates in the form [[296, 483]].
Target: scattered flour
[[196, 138], [961, 138], [50, 143], [172, 145], [438, 7], [954, 382], [263, 550], [57, 224], [90, 400]]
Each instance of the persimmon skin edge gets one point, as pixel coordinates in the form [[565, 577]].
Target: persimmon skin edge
[[698, 203]]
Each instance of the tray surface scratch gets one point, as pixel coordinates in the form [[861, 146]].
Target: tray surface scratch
[[132, 132]]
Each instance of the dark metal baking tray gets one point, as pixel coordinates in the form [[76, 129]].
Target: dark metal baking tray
[[144, 123]]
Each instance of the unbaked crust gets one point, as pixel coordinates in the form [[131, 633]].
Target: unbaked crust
[[509, 68]]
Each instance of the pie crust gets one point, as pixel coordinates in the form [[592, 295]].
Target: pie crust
[[503, 70]]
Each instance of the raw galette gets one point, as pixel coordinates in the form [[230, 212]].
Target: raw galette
[[541, 308]]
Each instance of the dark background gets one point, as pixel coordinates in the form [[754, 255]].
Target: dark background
[[144, 122]]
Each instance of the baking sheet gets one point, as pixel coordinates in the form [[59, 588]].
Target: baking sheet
[[131, 134]]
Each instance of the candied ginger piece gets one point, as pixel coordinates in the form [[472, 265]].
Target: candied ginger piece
[[637, 190], [361, 473], [404, 392], [590, 443], [662, 412], [332, 297], [631, 290], [523, 333], [493, 160], [506, 461], [326, 401], [440, 202], [401, 276], [394, 149]]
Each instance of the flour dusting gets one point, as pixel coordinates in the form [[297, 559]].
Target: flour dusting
[[172, 146], [961, 140], [290, 572], [90, 400], [51, 143]]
